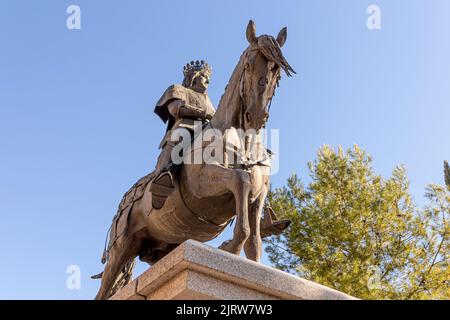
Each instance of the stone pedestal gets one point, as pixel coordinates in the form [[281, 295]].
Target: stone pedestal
[[195, 271]]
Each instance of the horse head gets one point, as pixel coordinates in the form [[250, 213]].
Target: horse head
[[262, 71]]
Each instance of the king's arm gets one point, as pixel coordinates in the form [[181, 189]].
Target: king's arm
[[173, 103], [180, 109]]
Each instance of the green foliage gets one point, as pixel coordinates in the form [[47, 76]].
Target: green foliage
[[361, 234]]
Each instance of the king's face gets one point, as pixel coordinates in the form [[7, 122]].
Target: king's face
[[201, 83]]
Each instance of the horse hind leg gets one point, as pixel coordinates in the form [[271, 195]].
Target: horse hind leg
[[121, 256]]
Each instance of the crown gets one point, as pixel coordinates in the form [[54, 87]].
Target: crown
[[193, 67]]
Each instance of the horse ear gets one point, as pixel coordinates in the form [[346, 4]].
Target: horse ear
[[251, 32], [282, 36]]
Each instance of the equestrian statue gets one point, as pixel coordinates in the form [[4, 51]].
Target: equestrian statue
[[197, 200]]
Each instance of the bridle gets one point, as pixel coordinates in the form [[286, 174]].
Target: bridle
[[242, 98]]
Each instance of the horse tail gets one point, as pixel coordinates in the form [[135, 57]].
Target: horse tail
[[107, 244], [106, 247]]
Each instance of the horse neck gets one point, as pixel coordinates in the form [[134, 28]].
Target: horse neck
[[228, 112]]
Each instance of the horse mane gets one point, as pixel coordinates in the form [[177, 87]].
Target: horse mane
[[230, 100], [270, 48]]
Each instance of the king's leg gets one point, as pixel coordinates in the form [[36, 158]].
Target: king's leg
[[162, 186]]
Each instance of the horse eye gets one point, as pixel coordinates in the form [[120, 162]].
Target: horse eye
[[263, 81]]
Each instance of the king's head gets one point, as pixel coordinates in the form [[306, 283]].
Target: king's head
[[197, 75]]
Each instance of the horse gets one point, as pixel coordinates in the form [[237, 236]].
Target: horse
[[219, 193]]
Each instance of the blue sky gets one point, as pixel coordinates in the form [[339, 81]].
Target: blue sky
[[77, 127]]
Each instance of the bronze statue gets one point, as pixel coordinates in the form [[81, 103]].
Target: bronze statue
[[203, 198]]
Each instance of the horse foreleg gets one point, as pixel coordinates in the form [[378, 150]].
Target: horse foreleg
[[253, 245], [241, 189]]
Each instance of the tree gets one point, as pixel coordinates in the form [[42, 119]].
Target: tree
[[447, 174], [361, 234]]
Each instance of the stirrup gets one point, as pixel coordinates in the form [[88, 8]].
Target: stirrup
[[275, 229], [270, 225], [161, 187]]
